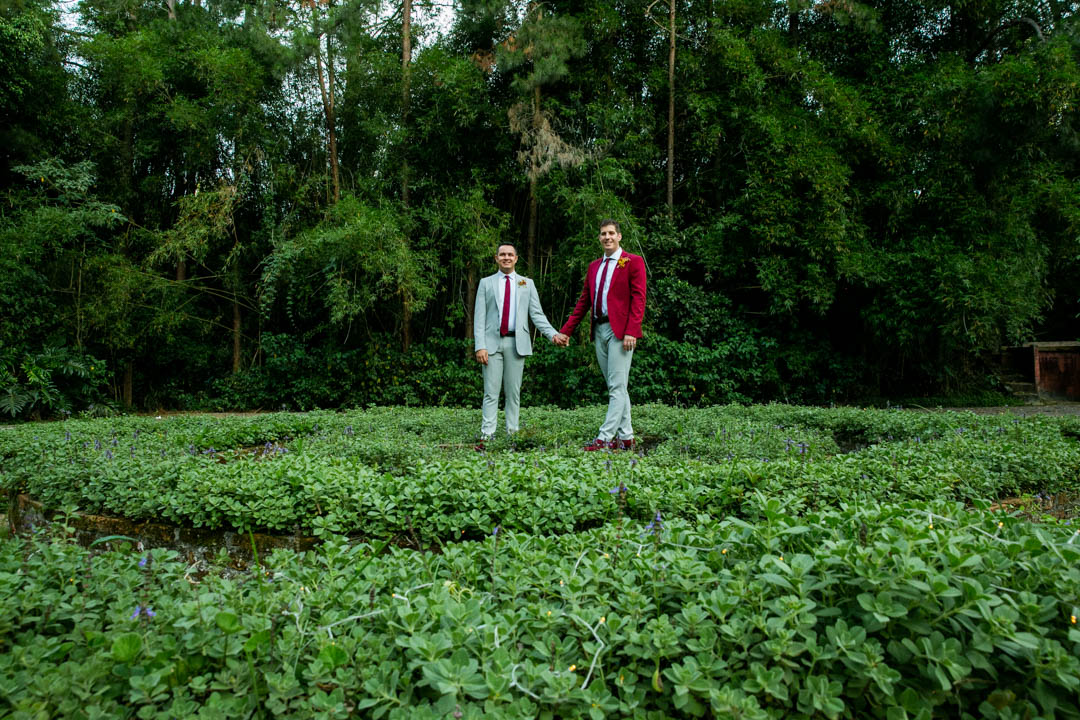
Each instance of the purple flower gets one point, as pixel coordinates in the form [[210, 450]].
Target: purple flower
[[495, 532], [97, 444], [616, 490], [140, 610], [67, 436], [348, 430], [108, 454], [142, 563], [655, 526]]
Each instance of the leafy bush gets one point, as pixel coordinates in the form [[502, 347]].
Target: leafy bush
[[53, 381], [896, 610], [414, 475]]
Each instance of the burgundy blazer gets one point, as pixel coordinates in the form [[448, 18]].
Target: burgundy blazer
[[626, 298]]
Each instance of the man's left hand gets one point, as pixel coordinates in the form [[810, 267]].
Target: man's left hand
[[629, 342]]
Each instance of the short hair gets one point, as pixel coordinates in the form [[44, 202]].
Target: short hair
[[506, 243], [608, 221]]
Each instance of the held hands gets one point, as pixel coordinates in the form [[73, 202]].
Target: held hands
[[561, 340], [482, 357]]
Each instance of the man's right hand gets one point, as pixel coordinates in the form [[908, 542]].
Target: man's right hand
[[482, 357]]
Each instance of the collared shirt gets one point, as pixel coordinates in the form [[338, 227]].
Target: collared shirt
[[614, 261], [514, 280]]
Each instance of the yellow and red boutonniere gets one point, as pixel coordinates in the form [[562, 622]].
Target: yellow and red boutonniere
[[521, 282], [623, 260]]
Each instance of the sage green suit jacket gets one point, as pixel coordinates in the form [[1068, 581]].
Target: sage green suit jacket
[[487, 315]]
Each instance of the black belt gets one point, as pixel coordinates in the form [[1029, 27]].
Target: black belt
[[602, 319], [512, 333]]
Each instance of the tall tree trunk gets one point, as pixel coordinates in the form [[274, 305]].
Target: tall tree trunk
[[406, 321], [470, 301], [78, 300], [406, 61], [671, 112], [530, 243], [327, 99], [235, 334], [128, 391], [181, 265]]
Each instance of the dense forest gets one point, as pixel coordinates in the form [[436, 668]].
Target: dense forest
[[228, 204]]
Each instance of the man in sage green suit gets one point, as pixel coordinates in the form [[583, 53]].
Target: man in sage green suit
[[505, 302]]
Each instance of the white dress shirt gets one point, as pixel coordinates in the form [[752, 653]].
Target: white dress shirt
[[614, 260], [514, 279]]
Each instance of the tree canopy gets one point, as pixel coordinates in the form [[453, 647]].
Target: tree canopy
[[250, 204]]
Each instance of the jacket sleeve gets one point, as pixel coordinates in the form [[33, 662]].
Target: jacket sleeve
[[636, 313], [479, 318], [536, 312], [584, 304]]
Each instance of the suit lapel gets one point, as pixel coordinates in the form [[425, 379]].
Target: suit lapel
[[612, 291], [522, 302], [593, 267], [496, 290]]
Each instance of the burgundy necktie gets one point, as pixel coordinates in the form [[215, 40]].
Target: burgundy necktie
[[504, 326], [600, 291]]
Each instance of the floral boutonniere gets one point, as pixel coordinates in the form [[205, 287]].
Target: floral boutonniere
[[623, 260], [521, 282]]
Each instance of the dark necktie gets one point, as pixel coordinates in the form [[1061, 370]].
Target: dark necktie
[[600, 291], [504, 326]]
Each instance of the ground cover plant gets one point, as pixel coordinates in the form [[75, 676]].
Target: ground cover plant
[[767, 561]]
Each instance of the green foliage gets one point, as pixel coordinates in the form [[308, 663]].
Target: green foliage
[[869, 198], [884, 611], [56, 380], [362, 256], [414, 475]]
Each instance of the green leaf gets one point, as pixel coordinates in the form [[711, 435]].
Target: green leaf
[[228, 622], [333, 656], [127, 647]]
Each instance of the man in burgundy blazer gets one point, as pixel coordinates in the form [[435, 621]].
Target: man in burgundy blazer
[[614, 293]]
